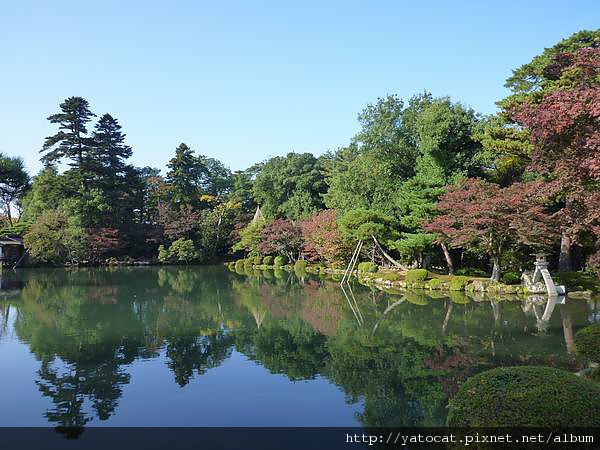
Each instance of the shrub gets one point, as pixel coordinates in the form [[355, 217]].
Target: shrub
[[300, 265], [257, 260], [239, 265], [268, 260], [248, 262], [183, 250], [471, 271], [231, 265], [587, 341], [280, 261], [367, 267], [434, 283], [415, 275], [525, 397], [163, 254], [511, 278], [458, 283]]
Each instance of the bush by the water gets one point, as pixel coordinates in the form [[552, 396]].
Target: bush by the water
[[525, 397], [511, 278], [367, 267], [415, 275], [280, 261], [434, 283], [300, 265], [239, 265], [390, 276], [257, 260], [267, 261], [458, 283], [587, 341], [471, 272]]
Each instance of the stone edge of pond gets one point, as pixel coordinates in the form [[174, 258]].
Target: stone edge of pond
[[393, 280]]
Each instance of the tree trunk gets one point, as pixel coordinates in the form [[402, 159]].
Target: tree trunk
[[495, 269], [388, 257], [564, 259], [448, 257]]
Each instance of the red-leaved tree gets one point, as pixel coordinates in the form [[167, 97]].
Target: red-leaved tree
[[322, 239], [484, 217], [281, 237], [565, 131]]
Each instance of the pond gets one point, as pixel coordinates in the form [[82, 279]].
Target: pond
[[202, 346]]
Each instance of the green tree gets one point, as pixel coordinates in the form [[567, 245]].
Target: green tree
[[56, 238], [184, 177], [71, 141], [14, 182], [290, 186]]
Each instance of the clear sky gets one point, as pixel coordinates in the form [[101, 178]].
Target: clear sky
[[245, 80]]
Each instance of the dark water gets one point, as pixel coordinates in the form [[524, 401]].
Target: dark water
[[205, 347]]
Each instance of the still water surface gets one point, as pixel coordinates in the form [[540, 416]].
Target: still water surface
[[202, 346]]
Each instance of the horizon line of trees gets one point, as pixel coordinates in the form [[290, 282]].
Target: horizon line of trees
[[426, 181]]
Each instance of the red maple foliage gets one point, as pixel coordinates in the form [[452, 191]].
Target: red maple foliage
[[565, 130], [281, 237], [481, 216], [104, 242], [322, 239]]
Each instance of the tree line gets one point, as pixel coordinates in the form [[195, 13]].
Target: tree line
[[425, 182]]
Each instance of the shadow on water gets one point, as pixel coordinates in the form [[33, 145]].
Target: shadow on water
[[401, 355]]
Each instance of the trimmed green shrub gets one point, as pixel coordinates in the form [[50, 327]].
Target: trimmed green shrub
[[300, 265], [231, 265], [280, 261], [315, 268], [267, 261], [511, 278], [587, 341], [239, 265], [415, 275], [367, 267], [248, 263], [525, 397], [257, 260], [458, 283], [434, 283]]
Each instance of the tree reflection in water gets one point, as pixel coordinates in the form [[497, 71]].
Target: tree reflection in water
[[402, 355]]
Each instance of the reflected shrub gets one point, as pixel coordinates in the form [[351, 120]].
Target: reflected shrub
[[525, 397], [587, 341]]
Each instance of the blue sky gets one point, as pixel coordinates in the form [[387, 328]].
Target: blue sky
[[245, 80]]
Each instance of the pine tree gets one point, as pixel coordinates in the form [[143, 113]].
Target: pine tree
[[71, 141]]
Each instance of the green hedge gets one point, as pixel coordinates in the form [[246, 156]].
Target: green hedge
[[390, 276], [239, 265], [248, 263], [458, 283], [525, 397], [267, 261], [434, 283], [280, 261], [367, 267], [300, 265], [511, 278], [415, 275], [257, 260], [587, 341]]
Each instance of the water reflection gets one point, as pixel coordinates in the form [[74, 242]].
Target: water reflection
[[402, 355]]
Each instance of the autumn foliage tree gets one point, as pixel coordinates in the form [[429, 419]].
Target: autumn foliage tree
[[322, 239], [565, 132], [483, 217], [281, 237]]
